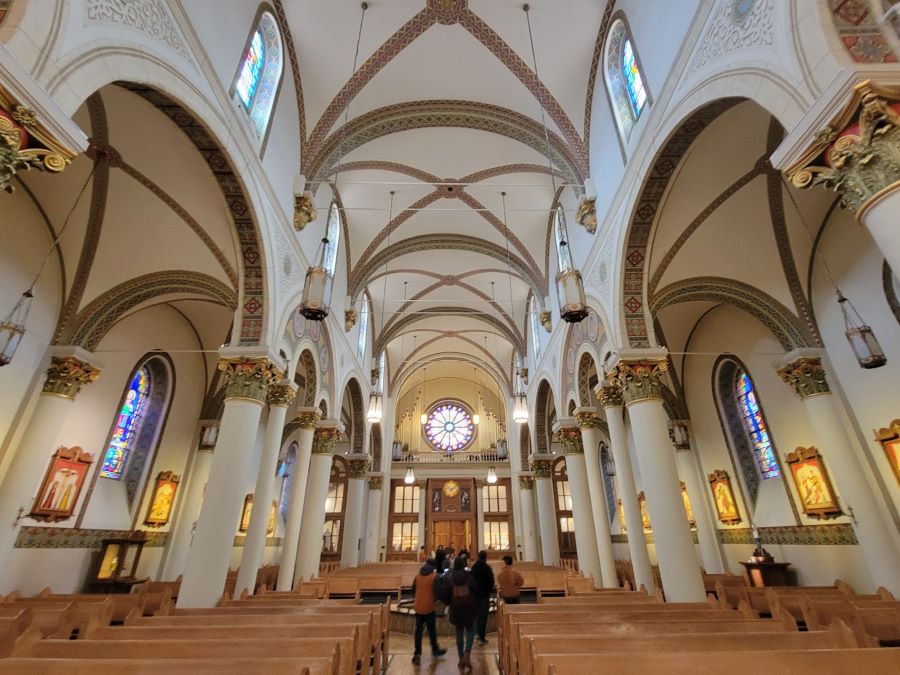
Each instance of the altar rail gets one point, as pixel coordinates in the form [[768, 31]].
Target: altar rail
[[450, 458]]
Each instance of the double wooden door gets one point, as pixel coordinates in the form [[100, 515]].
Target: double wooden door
[[455, 533]]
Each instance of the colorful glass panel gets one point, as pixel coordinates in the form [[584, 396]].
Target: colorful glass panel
[[127, 426], [755, 426], [633, 80], [449, 427], [251, 71]]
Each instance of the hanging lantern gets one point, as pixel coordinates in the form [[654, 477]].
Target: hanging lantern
[[12, 328], [860, 336], [375, 407], [570, 292], [316, 300], [492, 476], [396, 451], [520, 409], [410, 476]]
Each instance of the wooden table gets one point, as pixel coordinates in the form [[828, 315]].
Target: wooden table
[[763, 574]]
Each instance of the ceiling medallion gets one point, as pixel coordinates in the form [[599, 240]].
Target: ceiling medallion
[[740, 9], [447, 12]]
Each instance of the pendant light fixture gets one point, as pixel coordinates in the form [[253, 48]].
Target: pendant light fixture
[[12, 327], [315, 304], [860, 336], [569, 284], [410, 476], [492, 475]]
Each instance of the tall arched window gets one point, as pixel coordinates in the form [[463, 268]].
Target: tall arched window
[[609, 483], [286, 472], [563, 254], [624, 79], [363, 328], [138, 425], [259, 74], [745, 425], [333, 234], [534, 320]]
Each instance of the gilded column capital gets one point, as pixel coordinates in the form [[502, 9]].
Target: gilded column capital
[[349, 319], [480, 483], [806, 376], [586, 418], [541, 467], [586, 215], [546, 319], [324, 440], [308, 418], [282, 393], [609, 395], [358, 466], [641, 380], [248, 378], [570, 439], [376, 482], [526, 482], [858, 154], [66, 375], [304, 210]]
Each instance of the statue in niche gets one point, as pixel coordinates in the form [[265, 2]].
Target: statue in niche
[[436, 501], [465, 502]]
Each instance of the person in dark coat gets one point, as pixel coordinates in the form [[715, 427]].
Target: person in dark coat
[[484, 587], [440, 555], [463, 610], [424, 592]]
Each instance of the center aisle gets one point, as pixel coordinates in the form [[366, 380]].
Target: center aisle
[[484, 659]]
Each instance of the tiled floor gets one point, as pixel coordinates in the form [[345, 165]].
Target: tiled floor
[[484, 659]]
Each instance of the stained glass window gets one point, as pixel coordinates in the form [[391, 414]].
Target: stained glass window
[[633, 79], [449, 427], [251, 71], [334, 238], [755, 426], [127, 426], [260, 73]]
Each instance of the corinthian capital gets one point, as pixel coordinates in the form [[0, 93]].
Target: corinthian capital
[[640, 380], [858, 154], [569, 436], [586, 418], [358, 466], [66, 375], [248, 378], [375, 482], [609, 395], [324, 439], [308, 418], [541, 467], [805, 375], [282, 393], [526, 481]]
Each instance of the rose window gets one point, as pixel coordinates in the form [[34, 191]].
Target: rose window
[[449, 427]]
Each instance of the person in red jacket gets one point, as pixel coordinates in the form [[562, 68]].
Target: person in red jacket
[[423, 605]]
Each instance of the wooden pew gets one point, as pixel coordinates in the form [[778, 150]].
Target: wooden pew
[[11, 627], [551, 583], [122, 603], [189, 666], [876, 620], [318, 587], [61, 619], [532, 647], [390, 584], [343, 587], [751, 662]]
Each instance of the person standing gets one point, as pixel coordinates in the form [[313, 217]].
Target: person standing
[[463, 610], [423, 605], [509, 582], [484, 587], [423, 556], [440, 556]]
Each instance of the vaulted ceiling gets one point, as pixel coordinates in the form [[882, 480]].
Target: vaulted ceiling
[[445, 110]]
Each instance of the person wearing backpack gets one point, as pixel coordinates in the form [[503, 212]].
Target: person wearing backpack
[[463, 610], [424, 590]]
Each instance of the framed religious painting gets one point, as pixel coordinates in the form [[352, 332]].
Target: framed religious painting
[[813, 485], [160, 509], [890, 441], [622, 517], [62, 484], [245, 513], [645, 513], [723, 497], [688, 511], [270, 524]]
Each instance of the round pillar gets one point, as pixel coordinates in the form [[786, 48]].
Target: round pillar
[[373, 517], [307, 419], [247, 381], [280, 396], [357, 468], [186, 521], [542, 467], [527, 532], [686, 460], [610, 397], [642, 386]]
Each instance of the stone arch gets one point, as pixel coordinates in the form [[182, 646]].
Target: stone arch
[[357, 430], [93, 322], [307, 363], [588, 335], [544, 403]]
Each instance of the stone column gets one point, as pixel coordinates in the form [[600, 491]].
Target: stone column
[[67, 373], [569, 436], [542, 467], [424, 503], [610, 397], [856, 156], [307, 419], [803, 371], [247, 381], [480, 543], [526, 527], [686, 460], [185, 522], [280, 397], [310, 548], [586, 418], [357, 469], [373, 518], [642, 386]]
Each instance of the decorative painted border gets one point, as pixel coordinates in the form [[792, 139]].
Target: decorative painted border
[[859, 32], [74, 537], [792, 535]]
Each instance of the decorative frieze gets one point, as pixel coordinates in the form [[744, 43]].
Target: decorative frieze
[[324, 440], [358, 467], [248, 378], [640, 380], [858, 154], [541, 468], [806, 376], [526, 482], [282, 393], [376, 482], [66, 375]]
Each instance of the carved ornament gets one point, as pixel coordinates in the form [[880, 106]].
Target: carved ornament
[[570, 439], [349, 319], [546, 320], [858, 154], [359, 467], [526, 482], [67, 375], [324, 440], [806, 376], [609, 395], [304, 210], [586, 419], [282, 393], [248, 378], [640, 380], [307, 419], [541, 468], [586, 215], [376, 482]]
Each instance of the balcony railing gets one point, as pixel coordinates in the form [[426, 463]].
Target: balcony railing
[[430, 457]]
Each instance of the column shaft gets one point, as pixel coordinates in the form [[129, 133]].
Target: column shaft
[[590, 438], [353, 515], [585, 534], [188, 513], [310, 547], [546, 512], [373, 518], [526, 527], [685, 458]]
